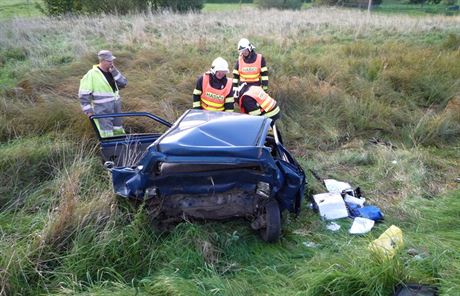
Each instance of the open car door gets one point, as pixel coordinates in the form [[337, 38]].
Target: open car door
[[140, 130]]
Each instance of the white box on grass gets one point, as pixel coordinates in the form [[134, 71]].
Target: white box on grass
[[330, 205]]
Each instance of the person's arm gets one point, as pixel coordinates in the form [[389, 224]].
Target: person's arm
[[236, 77], [264, 74], [229, 105], [250, 106], [85, 93], [120, 80], [197, 93]]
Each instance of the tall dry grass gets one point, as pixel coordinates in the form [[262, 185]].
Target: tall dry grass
[[340, 76], [49, 41]]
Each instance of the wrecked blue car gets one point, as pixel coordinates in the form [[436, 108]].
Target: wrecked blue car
[[207, 165]]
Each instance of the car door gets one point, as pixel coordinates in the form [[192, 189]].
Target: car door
[[141, 130]]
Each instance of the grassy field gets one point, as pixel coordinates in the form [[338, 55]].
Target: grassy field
[[341, 77], [18, 8], [28, 8], [392, 6]]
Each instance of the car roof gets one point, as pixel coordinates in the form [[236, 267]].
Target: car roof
[[216, 130]]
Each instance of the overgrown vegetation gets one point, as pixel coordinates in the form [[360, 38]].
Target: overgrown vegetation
[[349, 3], [279, 4], [372, 101], [94, 7]]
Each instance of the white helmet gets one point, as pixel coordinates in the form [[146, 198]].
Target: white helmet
[[245, 44], [219, 64]]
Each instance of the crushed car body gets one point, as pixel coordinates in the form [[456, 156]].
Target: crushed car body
[[211, 165]]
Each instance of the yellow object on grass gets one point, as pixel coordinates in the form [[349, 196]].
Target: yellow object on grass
[[388, 242]]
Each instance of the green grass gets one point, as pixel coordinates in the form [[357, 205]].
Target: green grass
[[400, 7], [227, 259], [215, 7], [18, 8], [340, 79], [27, 8]]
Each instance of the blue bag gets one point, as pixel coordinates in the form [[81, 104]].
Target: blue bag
[[353, 210], [370, 212]]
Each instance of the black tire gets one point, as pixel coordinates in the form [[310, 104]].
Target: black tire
[[272, 231]]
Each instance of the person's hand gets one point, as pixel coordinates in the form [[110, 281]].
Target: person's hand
[[89, 114], [236, 92]]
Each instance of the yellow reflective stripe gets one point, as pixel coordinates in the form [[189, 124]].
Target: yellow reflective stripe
[[235, 71], [229, 100], [255, 112], [197, 92], [235, 80], [264, 87], [263, 69], [209, 108], [209, 103], [229, 110], [250, 75], [265, 78], [196, 104], [273, 112], [268, 105]]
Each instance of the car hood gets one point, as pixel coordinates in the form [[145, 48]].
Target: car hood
[[198, 132]]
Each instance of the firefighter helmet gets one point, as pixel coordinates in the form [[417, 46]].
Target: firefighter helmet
[[245, 44], [219, 64]]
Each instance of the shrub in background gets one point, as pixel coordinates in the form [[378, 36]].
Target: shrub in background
[[421, 2], [228, 1], [72, 7], [348, 3], [182, 5], [60, 7], [279, 4], [114, 6]]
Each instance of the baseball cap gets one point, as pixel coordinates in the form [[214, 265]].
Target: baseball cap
[[106, 55]]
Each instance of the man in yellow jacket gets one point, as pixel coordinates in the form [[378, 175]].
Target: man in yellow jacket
[[99, 94]]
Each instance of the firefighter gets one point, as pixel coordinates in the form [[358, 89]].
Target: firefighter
[[213, 91], [99, 94], [255, 101], [250, 67]]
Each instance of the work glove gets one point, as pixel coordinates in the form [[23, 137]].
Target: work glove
[[238, 89], [236, 93]]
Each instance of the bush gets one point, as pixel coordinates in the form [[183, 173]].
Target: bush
[[421, 2], [182, 5], [71, 7], [60, 7], [228, 1], [349, 3], [279, 4], [114, 6]]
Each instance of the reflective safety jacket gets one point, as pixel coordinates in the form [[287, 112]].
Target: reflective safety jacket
[[266, 105], [95, 89], [250, 72], [214, 99]]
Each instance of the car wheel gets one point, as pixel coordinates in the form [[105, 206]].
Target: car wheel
[[272, 230]]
